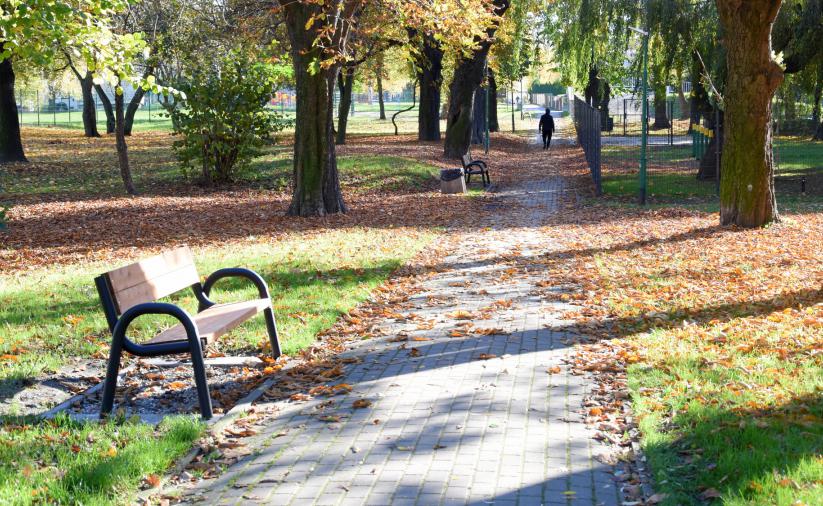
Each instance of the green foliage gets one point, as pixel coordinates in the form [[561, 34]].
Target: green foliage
[[554, 88], [224, 119]]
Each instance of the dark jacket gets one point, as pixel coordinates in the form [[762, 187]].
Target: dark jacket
[[546, 124]]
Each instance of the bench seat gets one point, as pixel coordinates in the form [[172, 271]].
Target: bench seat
[[215, 321]]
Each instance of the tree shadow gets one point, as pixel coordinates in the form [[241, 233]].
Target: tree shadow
[[742, 453]]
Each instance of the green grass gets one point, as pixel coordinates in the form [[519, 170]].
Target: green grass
[[67, 462], [750, 446], [143, 120], [51, 315]]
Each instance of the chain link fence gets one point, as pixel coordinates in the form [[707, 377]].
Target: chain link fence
[[42, 109]]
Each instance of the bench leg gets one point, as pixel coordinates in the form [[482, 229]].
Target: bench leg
[[112, 370], [200, 382], [271, 327]]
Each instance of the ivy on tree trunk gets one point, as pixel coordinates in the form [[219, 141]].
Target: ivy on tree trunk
[[316, 180], [747, 197], [11, 146]]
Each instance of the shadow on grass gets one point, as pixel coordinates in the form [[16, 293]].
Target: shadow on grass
[[753, 456]]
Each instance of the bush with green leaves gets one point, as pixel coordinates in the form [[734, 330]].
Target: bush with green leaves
[[224, 119]]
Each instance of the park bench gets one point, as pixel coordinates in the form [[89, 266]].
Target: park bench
[[471, 167], [132, 291]]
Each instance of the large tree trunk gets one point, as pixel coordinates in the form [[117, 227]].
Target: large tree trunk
[[747, 196], [467, 77], [11, 146], [134, 104], [89, 107], [122, 149], [430, 75], [316, 181], [107, 107], [494, 124], [346, 85], [380, 88]]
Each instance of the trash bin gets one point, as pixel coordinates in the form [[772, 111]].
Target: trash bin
[[452, 181]]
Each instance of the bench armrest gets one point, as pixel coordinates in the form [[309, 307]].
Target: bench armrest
[[231, 272], [157, 308], [479, 162]]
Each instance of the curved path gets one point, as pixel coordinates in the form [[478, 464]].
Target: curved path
[[446, 426]]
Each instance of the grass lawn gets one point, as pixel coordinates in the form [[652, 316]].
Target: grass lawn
[[66, 462], [50, 314], [722, 332]]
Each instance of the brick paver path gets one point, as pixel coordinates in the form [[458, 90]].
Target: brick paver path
[[445, 427]]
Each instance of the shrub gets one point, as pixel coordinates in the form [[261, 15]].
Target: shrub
[[224, 118]]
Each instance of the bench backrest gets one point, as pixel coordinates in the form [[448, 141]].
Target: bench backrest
[[467, 159], [152, 278]]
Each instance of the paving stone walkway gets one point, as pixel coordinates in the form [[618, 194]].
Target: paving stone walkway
[[445, 426]]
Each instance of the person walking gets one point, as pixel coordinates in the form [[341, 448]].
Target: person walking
[[546, 127]]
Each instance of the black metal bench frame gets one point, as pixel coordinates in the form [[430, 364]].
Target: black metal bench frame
[[480, 167], [193, 345]]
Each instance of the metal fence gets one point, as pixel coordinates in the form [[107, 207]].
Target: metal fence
[[587, 124], [683, 153], [43, 109]]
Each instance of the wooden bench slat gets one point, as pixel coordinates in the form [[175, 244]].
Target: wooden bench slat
[[215, 321], [153, 278]]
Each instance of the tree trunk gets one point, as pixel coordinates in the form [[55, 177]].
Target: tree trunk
[[479, 116], [430, 75], [134, 104], [89, 107], [380, 90], [107, 107], [468, 75], [512, 89], [661, 113], [494, 124], [747, 196], [11, 146], [346, 85], [122, 149], [316, 181], [684, 104]]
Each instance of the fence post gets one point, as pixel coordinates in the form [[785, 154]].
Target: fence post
[[37, 106], [54, 110], [20, 95], [69, 110], [671, 123]]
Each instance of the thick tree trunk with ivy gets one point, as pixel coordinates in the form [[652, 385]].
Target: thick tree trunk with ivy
[[430, 76], [11, 146], [316, 180], [107, 108], [494, 123], [468, 75], [747, 196], [346, 86], [122, 148]]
